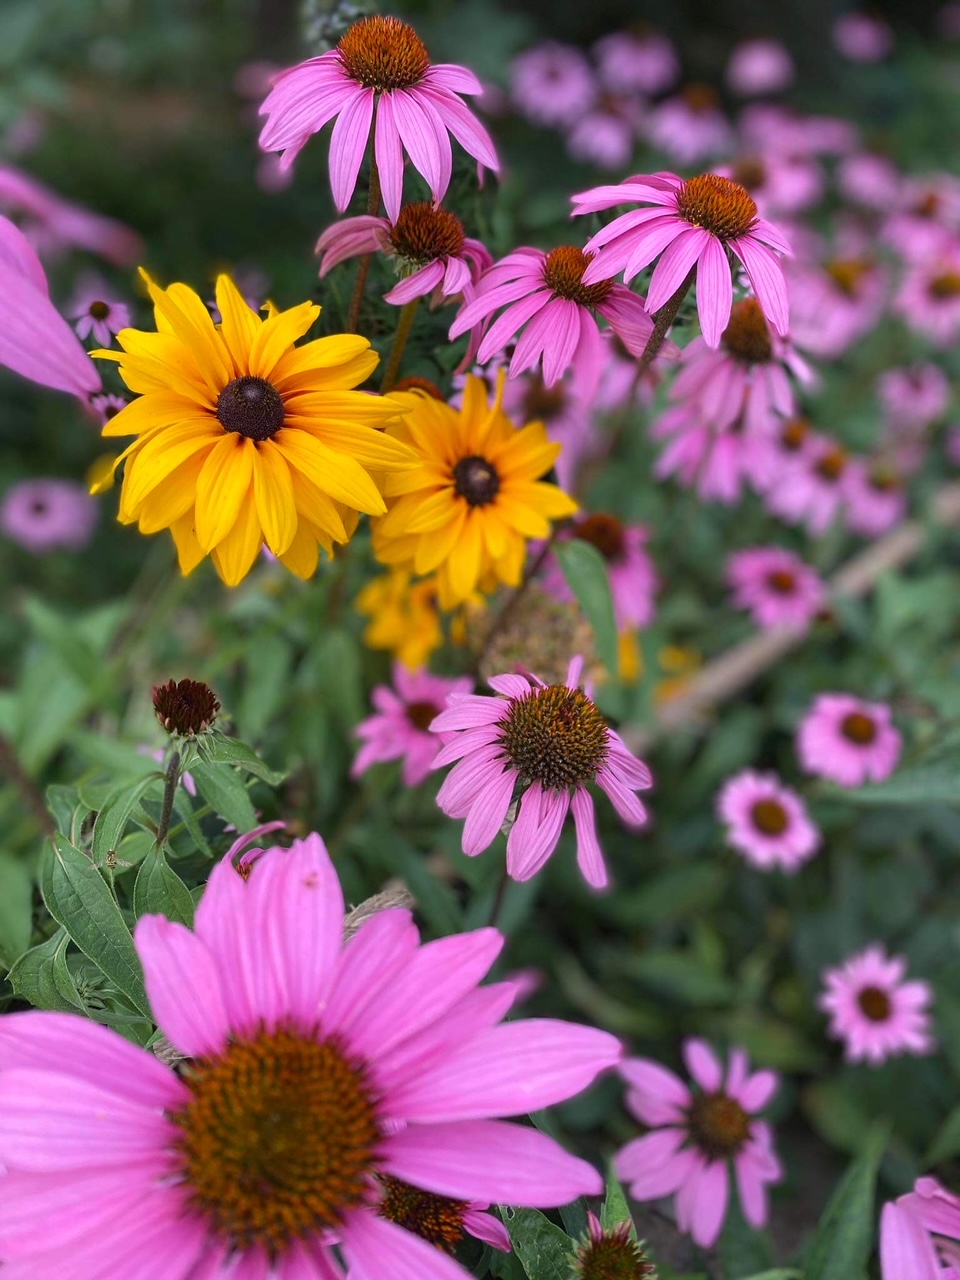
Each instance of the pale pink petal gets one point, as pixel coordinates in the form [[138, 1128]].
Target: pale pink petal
[[675, 264], [183, 986], [657, 1096], [512, 686], [758, 1090], [709, 1203], [766, 275], [714, 291], [703, 1065], [448, 75], [348, 142], [425, 139], [417, 285], [589, 853], [906, 1249], [536, 832], [462, 123], [752, 1183], [376, 1249], [487, 813], [389, 156], [59, 1208]]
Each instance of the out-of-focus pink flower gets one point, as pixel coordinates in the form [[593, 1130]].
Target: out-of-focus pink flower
[[378, 76], [254, 79], [106, 406], [758, 67], [776, 586], [271, 176], [780, 184], [873, 1011], [875, 497], [925, 221], [715, 462], [811, 491], [552, 84], [45, 515], [690, 226], [861, 37], [35, 340], [55, 224], [869, 180], [546, 295], [429, 247], [628, 63], [920, 1234], [848, 740], [948, 24], [551, 740], [771, 127], [97, 312], [778, 452], [833, 306], [696, 1136], [914, 396], [25, 134], [929, 296], [767, 822], [633, 577], [690, 128], [606, 135], [401, 728]]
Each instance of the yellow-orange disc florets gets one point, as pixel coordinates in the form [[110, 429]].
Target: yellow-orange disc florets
[[719, 205], [432, 1217], [563, 273], [384, 54], [718, 1124], [423, 233], [747, 336], [557, 736], [848, 273]]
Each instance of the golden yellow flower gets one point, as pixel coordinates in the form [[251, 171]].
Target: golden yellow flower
[[467, 511], [244, 439], [404, 617]]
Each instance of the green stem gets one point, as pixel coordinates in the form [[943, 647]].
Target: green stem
[[169, 794], [360, 284], [662, 321], [404, 325]]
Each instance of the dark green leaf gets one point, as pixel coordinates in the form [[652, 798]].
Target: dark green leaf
[[615, 1208], [160, 891], [42, 977], [742, 1249], [845, 1236], [946, 1144], [115, 814], [545, 1252], [224, 793], [217, 749], [16, 913], [586, 573]]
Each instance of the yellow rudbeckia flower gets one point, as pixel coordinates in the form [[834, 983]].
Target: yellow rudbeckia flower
[[476, 497], [243, 439]]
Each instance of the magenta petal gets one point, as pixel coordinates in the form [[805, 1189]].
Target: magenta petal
[[752, 1183], [657, 1096], [51, 1210], [905, 1248], [470, 713], [589, 854], [348, 142], [381, 947], [708, 1207], [510, 322], [425, 139], [389, 156], [766, 275], [417, 285], [758, 1090], [223, 924], [462, 123], [654, 1165], [485, 1227], [675, 264], [535, 834], [512, 686], [490, 1160], [714, 291], [564, 338], [183, 986], [703, 1065], [487, 813], [376, 1249], [448, 75]]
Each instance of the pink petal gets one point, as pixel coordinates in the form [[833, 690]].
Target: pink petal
[[657, 1096], [462, 123], [58, 1208], [654, 1166], [675, 265], [758, 1090], [388, 154], [766, 275], [589, 853], [348, 142], [752, 1183], [536, 832], [382, 946], [472, 712], [417, 285], [714, 291], [564, 337], [487, 814], [425, 138], [183, 986], [485, 1227], [447, 75], [905, 1247], [376, 1248], [510, 322], [629, 808], [709, 1203], [223, 922], [703, 1065], [512, 686]]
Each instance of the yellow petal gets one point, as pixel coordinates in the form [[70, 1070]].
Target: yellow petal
[[336, 353], [187, 317], [317, 509], [333, 473], [273, 492], [173, 497], [370, 448], [222, 488], [100, 474], [303, 553], [189, 550], [234, 556], [433, 550], [157, 455], [462, 568], [239, 323], [277, 335], [155, 409], [435, 511]]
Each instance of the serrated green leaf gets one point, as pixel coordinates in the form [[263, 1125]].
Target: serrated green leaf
[[41, 976], [218, 749], [615, 1208], [224, 793], [158, 890], [115, 813], [545, 1252], [586, 573], [78, 898], [845, 1236]]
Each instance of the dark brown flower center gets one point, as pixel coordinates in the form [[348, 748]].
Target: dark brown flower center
[[252, 407], [719, 205], [847, 274], [612, 1255], [563, 273], [782, 581], [186, 707], [541, 403], [883, 478], [278, 1140], [770, 817], [434, 1218], [928, 205], [700, 97], [859, 728], [794, 435], [99, 310], [38, 507], [718, 1124], [604, 532], [556, 736], [831, 465], [747, 336], [384, 53], [875, 1004], [476, 480], [423, 233], [422, 714], [945, 286], [750, 172]]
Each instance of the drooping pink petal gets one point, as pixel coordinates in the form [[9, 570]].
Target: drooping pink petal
[[183, 985], [589, 853], [675, 264], [426, 141], [376, 1248], [417, 285], [752, 1182], [905, 1247], [485, 1227], [510, 322], [487, 814], [388, 154], [714, 291], [766, 275], [463, 124], [536, 832], [348, 143], [710, 1189]]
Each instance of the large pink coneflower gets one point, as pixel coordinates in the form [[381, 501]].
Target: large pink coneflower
[[400, 730], [630, 568], [379, 75], [848, 740], [920, 1234], [697, 1134], [545, 296], [429, 247], [873, 1010], [767, 822], [549, 741], [692, 226], [314, 1070], [552, 83]]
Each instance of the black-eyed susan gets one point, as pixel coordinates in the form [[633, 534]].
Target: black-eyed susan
[[245, 440], [468, 509], [404, 617]]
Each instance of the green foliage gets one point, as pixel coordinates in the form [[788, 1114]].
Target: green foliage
[[844, 1240], [586, 573]]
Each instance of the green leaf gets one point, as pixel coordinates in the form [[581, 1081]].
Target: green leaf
[[16, 907], [41, 976], [545, 1252], [947, 1142], [183, 808], [78, 898], [615, 1208], [845, 1236], [225, 793], [217, 749], [681, 976], [158, 890], [586, 573], [115, 814], [742, 1249]]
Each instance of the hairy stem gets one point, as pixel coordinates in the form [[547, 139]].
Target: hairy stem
[[169, 794], [662, 321], [404, 325], [363, 270]]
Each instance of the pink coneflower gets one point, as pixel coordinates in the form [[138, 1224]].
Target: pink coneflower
[[552, 84], [628, 63], [875, 497], [812, 491], [692, 225], [758, 67], [779, 184], [915, 396], [926, 219], [777, 587], [401, 728], [97, 313], [106, 406], [861, 37], [834, 305], [929, 297], [633, 577], [697, 1133], [606, 136], [545, 295], [691, 128], [920, 1234], [715, 462], [767, 822], [848, 740], [869, 180], [46, 515], [549, 740], [776, 454], [873, 1011], [314, 1070], [379, 75], [430, 249]]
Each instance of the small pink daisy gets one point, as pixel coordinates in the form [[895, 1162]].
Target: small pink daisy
[[545, 296], [691, 128], [430, 250], [873, 1011], [692, 225], [98, 313], [552, 84], [812, 491], [550, 740], [628, 63], [401, 728], [848, 740], [379, 75], [314, 1070], [920, 1234], [45, 515], [697, 1133], [875, 497], [916, 395], [929, 297], [758, 67], [777, 587], [767, 822], [633, 578]]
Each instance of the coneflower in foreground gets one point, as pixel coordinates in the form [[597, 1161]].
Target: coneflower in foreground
[[314, 1070]]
